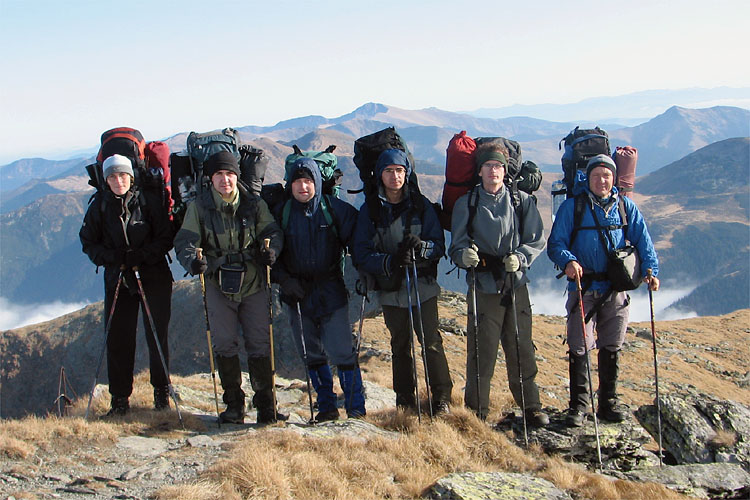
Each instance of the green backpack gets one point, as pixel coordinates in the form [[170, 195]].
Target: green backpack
[[327, 162]]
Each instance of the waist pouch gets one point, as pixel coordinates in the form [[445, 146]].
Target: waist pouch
[[231, 277], [624, 269]]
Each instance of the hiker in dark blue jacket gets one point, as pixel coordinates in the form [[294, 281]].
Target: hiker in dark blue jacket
[[586, 258], [384, 250], [317, 230]]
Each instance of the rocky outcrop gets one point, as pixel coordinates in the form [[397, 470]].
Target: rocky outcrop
[[496, 485], [621, 444], [700, 429], [699, 480]]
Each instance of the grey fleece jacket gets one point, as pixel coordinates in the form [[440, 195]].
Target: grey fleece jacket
[[495, 229]]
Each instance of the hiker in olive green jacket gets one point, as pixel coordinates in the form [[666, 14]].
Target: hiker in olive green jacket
[[229, 224]]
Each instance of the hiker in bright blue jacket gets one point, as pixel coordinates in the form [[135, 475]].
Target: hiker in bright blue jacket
[[317, 231], [383, 250], [581, 253]]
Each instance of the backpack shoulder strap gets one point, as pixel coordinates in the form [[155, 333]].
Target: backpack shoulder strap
[[472, 201], [285, 214], [580, 207], [325, 206]]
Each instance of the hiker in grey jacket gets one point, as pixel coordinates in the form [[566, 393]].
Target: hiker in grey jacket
[[500, 243], [230, 224]]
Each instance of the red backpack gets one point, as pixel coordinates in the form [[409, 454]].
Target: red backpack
[[626, 159], [460, 174], [150, 162]]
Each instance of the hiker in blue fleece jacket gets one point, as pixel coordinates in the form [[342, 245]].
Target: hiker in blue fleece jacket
[[384, 250], [317, 231], [581, 253]]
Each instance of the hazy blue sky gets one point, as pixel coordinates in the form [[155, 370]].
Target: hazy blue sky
[[73, 68]]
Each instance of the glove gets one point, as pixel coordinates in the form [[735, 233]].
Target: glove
[[134, 258], [292, 287], [469, 257], [267, 256], [411, 241], [198, 266], [403, 256], [512, 263], [115, 257], [367, 280]]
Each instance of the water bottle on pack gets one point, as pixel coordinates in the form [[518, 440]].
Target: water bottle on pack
[[559, 193]]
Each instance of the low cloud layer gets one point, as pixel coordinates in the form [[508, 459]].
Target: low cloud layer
[[16, 316], [549, 298]]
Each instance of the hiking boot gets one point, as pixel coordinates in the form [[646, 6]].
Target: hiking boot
[[406, 402], [610, 407], [537, 418], [230, 374], [267, 416], [321, 379], [578, 390], [161, 398], [234, 414], [441, 408], [120, 406], [327, 416], [575, 417]]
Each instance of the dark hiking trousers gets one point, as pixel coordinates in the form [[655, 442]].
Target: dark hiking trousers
[[496, 327], [397, 321], [121, 341]]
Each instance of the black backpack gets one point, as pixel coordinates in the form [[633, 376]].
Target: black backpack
[[580, 146], [187, 167], [519, 176], [367, 149]]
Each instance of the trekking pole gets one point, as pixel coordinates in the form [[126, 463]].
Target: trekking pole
[[649, 273], [518, 354], [199, 255], [420, 322], [104, 344], [158, 344], [475, 321], [358, 343], [267, 244], [413, 350], [588, 370], [304, 359]]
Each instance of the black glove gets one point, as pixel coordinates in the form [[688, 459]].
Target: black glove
[[116, 257], [411, 241], [134, 258], [267, 256], [403, 255], [198, 266], [292, 288]]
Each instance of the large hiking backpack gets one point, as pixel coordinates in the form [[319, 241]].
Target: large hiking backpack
[[367, 149], [461, 173], [580, 146], [187, 167], [327, 163], [150, 160]]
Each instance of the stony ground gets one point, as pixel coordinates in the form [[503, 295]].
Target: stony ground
[[136, 456]]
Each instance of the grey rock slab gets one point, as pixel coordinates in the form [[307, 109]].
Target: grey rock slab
[[690, 422], [352, 428], [142, 446], [202, 441], [701, 480], [154, 471], [494, 485]]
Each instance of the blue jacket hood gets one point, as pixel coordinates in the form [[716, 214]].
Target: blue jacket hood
[[312, 167], [392, 157]]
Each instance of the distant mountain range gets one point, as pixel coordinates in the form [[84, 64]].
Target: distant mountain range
[[42, 202], [630, 109]]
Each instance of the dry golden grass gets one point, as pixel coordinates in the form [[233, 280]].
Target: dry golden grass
[[723, 438]]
